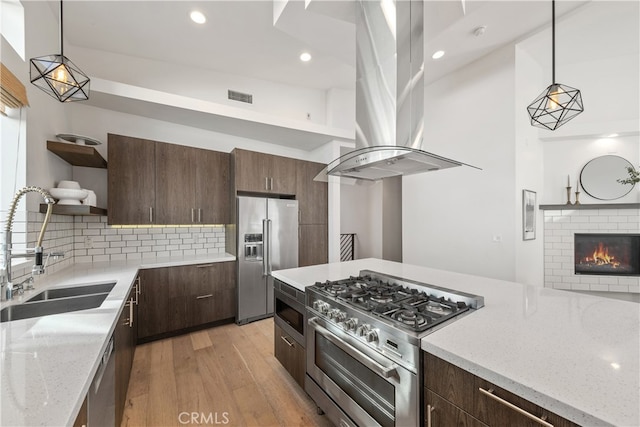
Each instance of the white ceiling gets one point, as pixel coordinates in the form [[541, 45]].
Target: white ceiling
[[240, 37]]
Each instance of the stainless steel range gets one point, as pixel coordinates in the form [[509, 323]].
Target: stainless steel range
[[363, 345]]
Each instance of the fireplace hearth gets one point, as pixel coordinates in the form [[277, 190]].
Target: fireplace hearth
[[607, 254]]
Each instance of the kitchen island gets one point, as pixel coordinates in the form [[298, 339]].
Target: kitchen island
[[575, 355], [48, 363]]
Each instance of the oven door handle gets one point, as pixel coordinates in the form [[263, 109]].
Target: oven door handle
[[379, 369]]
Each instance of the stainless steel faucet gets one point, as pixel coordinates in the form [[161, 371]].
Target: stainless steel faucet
[[6, 245]]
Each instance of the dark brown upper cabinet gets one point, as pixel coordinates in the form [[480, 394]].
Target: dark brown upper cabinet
[[180, 185]]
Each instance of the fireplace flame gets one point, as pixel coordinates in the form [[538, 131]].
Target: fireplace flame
[[601, 257]]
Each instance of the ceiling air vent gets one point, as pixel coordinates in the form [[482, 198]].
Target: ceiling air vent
[[239, 96]]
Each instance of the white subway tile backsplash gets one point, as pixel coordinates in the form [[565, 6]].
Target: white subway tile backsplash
[[559, 230], [107, 243]]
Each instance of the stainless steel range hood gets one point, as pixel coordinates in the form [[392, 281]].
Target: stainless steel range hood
[[389, 94]]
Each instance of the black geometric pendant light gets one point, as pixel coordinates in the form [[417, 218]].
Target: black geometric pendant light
[[558, 103], [58, 76]]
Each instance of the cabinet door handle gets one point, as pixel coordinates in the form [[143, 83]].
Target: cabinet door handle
[[519, 410], [430, 409], [205, 265], [266, 182], [131, 312], [204, 296], [200, 215], [271, 183], [289, 343], [193, 215], [138, 289], [150, 213], [127, 321]]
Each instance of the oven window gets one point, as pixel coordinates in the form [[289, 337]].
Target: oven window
[[290, 315], [370, 391]]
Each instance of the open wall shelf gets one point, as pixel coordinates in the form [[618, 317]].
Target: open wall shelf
[[74, 210], [77, 155]]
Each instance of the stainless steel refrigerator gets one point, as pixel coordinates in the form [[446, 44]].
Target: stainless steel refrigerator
[[267, 241]]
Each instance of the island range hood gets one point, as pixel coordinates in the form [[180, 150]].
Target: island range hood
[[389, 95]]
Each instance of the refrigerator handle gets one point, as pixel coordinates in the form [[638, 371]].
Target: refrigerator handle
[[265, 248], [269, 266]]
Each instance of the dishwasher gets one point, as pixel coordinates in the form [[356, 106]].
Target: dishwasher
[[102, 394]]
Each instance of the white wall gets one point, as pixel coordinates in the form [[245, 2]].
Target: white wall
[[529, 169], [43, 169], [602, 61], [268, 97], [562, 158], [361, 214], [450, 217]]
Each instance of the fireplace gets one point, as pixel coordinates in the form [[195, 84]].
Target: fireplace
[[607, 254]]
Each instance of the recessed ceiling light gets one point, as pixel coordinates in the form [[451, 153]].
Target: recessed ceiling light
[[198, 17], [479, 32], [437, 55], [305, 57]]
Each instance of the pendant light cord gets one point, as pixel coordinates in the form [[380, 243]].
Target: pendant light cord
[[61, 39], [553, 40]]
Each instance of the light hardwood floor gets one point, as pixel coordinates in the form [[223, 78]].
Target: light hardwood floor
[[225, 375]]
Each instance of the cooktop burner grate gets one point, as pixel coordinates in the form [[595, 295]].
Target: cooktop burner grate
[[403, 306]]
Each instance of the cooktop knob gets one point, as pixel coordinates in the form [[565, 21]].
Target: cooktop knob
[[321, 306], [334, 313], [350, 324], [372, 336], [363, 330]]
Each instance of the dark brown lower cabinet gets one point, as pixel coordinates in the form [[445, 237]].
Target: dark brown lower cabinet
[[83, 416], [290, 354], [125, 346], [441, 412], [455, 397], [212, 293], [177, 298]]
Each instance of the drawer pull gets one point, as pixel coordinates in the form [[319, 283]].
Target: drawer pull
[[289, 343], [521, 411], [204, 296], [205, 265]]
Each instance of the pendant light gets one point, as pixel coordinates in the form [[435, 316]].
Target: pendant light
[[558, 103], [58, 76]]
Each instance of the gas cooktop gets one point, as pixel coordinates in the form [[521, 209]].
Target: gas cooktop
[[416, 308]]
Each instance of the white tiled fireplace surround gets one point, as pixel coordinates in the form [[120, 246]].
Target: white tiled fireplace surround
[[91, 239], [561, 224]]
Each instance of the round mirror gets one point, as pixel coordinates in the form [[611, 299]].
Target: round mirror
[[599, 177]]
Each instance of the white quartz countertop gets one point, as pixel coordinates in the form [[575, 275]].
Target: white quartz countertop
[[48, 363], [573, 354]]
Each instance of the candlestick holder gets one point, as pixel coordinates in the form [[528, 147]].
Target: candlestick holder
[[568, 195], [577, 202]]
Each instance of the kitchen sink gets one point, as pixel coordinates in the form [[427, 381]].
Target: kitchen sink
[[72, 291], [52, 306]]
